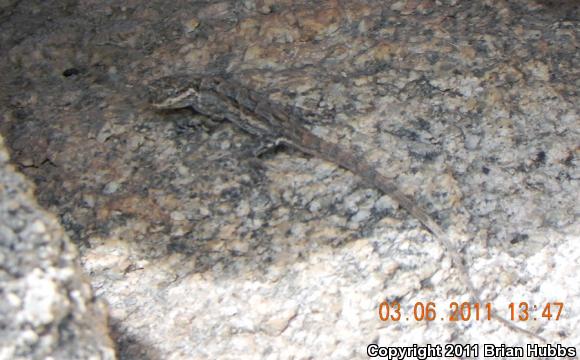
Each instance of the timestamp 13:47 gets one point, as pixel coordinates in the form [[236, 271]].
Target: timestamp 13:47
[[427, 311], [525, 312]]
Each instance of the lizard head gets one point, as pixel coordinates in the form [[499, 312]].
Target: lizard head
[[174, 92]]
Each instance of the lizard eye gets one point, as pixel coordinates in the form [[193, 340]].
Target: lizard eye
[[162, 88]]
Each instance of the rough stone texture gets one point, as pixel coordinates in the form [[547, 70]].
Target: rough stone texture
[[205, 252], [47, 307]]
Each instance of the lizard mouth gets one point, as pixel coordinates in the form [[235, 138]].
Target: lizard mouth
[[178, 100], [173, 92]]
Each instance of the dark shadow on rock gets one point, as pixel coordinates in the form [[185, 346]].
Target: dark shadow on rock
[[130, 347]]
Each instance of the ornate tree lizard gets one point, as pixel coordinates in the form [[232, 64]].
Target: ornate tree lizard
[[221, 98]]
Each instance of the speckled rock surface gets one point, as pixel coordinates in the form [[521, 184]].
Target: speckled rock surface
[[47, 308], [203, 251]]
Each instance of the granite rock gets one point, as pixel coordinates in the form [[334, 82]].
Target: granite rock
[[47, 307], [204, 251]]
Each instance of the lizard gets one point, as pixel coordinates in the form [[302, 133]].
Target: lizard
[[221, 98]]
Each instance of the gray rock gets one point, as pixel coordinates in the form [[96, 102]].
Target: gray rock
[[470, 107], [47, 308]]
